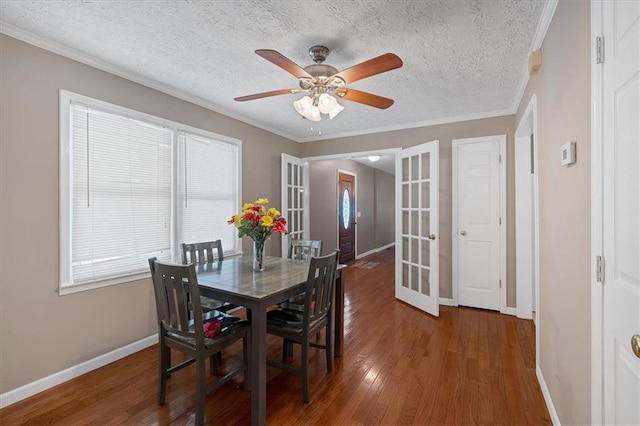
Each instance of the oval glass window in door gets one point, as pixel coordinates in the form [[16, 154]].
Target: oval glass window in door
[[346, 209]]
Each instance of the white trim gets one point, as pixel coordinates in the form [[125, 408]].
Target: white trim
[[379, 249], [536, 43], [97, 63], [55, 379], [355, 209], [510, 311], [502, 140], [597, 248], [528, 125], [547, 397], [445, 301], [366, 253], [352, 155], [426, 123]]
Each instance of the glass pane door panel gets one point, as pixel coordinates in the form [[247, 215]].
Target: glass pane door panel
[[425, 194], [426, 170], [415, 168], [426, 217], [425, 281]]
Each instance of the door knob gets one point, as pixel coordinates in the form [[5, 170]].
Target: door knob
[[432, 236], [463, 233], [635, 344]]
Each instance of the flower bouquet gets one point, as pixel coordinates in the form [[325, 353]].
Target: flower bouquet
[[258, 222]]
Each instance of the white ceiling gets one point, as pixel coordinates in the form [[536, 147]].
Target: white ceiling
[[462, 58]]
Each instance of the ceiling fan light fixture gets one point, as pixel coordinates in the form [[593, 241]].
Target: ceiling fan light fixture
[[336, 110], [314, 114], [374, 158], [327, 103]]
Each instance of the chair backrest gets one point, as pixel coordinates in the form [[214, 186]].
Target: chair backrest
[[177, 299], [304, 249], [319, 287], [201, 253]]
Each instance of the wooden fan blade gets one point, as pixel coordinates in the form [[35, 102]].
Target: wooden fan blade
[[364, 98], [283, 62], [380, 64], [266, 94]]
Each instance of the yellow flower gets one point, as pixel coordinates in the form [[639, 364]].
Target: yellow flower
[[262, 201], [246, 206], [274, 212], [267, 221], [237, 220]]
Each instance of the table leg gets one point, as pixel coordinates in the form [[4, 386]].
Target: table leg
[[258, 367], [339, 316]]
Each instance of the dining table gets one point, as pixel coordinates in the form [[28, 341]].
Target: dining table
[[234, 280]]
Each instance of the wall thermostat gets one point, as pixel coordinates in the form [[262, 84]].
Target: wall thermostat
[[568, 154]]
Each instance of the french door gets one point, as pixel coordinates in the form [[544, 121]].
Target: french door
[[295, 199], [417, 191]]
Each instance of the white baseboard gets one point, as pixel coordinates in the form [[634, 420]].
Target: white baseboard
[[447, 302], [385, 247], [510, 311], [55, 379], [547, 398]]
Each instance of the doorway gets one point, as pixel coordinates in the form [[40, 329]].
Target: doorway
[[346, 216], [526, 190], [479, 222]]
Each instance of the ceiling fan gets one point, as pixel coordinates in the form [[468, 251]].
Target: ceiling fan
[[323, 83]]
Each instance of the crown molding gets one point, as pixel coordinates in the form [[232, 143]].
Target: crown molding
[[94, 62], [538, 38], [445, 120]]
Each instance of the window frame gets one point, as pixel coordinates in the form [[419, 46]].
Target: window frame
[[65, 208]]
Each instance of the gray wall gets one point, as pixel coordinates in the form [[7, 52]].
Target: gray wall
[[385, 209], [444, 133], [323, 194], [563, 87], [80, 326]]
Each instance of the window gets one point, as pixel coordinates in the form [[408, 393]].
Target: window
[[133, 187]]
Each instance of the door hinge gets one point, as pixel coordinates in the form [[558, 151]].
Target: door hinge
[[500, 221], [600, 50], [500, 283], [499, 158], [599, 269]]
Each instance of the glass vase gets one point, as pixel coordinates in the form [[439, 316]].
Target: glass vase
[[258, 256]]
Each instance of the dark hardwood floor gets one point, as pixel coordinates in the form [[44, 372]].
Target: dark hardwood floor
[[400, 366]]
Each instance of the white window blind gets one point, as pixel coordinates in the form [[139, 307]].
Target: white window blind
[[135, 186], [121, 195], [207, 189]]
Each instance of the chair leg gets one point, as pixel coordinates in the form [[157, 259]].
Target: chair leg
[[328, 343], [214, 362], [163, 366], [201, 390], [246, 350], [305, 369]]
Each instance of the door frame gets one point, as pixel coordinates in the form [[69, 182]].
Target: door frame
[[597, 218], [527, 233], [355, 208], [503, 214]]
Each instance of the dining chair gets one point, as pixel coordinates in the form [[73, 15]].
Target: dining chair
[[304, 249], [206, 253], [296, 326], [181, 326]]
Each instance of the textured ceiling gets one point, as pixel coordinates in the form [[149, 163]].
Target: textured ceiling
[[461, 58]]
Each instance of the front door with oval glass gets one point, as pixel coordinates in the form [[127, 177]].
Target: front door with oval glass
[[346, 217]]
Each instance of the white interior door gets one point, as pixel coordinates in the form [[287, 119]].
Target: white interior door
[[295, 199], [621, 213], [477, 221], [417, 191]]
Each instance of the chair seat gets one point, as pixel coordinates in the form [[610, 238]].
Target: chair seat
[[230, 326], [289, 321]]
